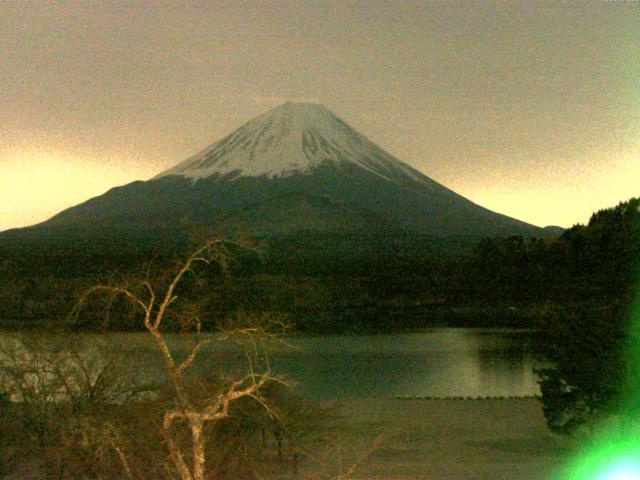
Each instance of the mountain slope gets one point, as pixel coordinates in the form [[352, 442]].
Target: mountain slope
[[294, 138], [296, 168]]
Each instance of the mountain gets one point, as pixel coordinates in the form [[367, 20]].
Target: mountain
[[297, 168], [292, 139]]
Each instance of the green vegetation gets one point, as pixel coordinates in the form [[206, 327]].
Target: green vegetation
[[592, 334], [584, 385], [595, 381], [349, 284]]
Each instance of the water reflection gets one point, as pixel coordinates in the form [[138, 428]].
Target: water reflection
[[445, 362], [435, 363]]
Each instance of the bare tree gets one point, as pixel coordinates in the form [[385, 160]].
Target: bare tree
[[190, 409], [61, 388]]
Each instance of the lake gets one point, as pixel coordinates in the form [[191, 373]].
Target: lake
[[445, 362], [442, 362]]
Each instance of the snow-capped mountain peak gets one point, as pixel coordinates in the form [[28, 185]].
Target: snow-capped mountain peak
[[292, 138], [297, 169]]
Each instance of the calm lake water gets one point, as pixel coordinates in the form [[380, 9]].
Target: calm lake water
[[442, 362], [435, 363]]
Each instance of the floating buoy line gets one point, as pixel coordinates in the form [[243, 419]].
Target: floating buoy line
[[498, 397]]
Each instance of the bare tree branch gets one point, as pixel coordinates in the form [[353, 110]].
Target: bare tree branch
[[155, 303], [189, 360]]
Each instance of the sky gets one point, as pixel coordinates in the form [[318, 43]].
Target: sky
[[531, 109]]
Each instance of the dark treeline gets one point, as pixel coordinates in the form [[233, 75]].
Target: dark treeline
[[593, 371], [350, 283], [594, 261]]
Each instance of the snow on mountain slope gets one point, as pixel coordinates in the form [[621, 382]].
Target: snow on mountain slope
[[296, 168], [294, 138]]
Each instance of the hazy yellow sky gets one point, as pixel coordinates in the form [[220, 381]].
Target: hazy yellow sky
[[531, 109]]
